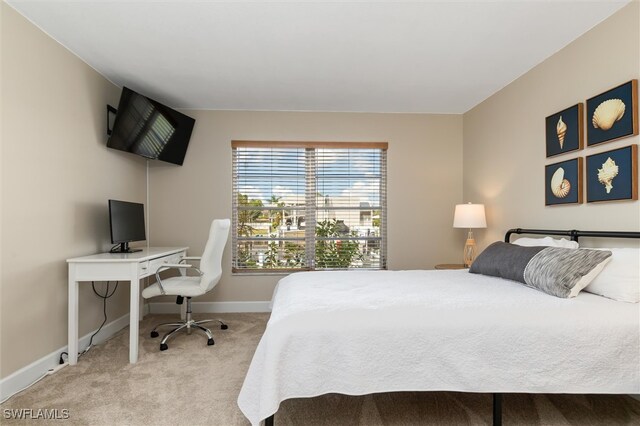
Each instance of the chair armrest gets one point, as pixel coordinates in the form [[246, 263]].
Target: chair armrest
[[191, 258], [170, 266]]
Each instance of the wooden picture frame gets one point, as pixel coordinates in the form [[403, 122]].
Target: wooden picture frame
[[564, 131], [613, 175], [613, 115], [563, 182]]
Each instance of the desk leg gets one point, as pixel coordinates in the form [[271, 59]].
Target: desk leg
[[73, 316], [134, 315], [141, 307]]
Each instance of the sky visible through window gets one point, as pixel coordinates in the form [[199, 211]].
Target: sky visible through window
[[351, 174]]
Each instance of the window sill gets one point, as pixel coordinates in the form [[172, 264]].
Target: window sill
[[265, 272], [262, 274], [282, 273]]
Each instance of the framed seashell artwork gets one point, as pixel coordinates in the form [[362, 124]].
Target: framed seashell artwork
[[563, 182], [613, 175], [613, 114], [563, 130]]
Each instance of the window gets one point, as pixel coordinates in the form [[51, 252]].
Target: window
[[308, 206]]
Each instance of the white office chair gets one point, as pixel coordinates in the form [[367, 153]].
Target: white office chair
[[183, 286]]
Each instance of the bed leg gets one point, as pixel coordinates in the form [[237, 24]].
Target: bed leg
[[497, 409], [269, 420]]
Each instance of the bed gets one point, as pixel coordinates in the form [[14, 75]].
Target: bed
[[363, 332]]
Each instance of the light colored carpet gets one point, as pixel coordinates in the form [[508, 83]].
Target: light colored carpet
[[193, 384]]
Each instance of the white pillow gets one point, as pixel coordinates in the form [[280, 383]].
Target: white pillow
[[620, 279], [546, 242], [588, 278]]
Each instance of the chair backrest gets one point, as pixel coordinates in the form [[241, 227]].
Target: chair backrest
[[211, 262]]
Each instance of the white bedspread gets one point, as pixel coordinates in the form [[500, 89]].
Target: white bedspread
[[365, 332]]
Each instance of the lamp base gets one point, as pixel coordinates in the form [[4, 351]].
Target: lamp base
[[469, 253]]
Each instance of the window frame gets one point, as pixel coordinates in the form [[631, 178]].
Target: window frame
[[311, 207]]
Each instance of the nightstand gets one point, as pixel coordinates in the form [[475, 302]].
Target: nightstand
[[450, 266]]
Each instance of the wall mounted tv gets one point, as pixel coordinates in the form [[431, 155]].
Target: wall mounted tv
[[146, 127]]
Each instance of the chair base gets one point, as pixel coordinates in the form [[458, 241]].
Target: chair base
[[188, 324]]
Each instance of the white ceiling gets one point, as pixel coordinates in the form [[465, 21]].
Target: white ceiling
[[384, 56]]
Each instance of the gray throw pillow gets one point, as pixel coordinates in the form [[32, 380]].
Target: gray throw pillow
[[557, 271]]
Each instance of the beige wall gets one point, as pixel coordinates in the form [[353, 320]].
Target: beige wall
[[504, 139], [424, 183], [57, 175]]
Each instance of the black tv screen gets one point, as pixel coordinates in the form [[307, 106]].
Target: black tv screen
[[126, 221], [148, 128]]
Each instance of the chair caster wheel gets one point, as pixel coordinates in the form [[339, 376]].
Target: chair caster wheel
[[163, 346], [154, 334], [210, 342], [224, 327]]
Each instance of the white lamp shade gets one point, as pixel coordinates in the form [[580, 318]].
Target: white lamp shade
[[469, 216]]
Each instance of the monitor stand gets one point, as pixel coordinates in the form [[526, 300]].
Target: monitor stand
[[124, 248]]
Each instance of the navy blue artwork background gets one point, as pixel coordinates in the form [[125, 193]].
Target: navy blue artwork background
[[570, 173], [621, 128], [622, 189], [571, 140]]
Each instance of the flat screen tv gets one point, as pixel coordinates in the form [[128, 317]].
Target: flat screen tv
[[127, 225], [146, 127]]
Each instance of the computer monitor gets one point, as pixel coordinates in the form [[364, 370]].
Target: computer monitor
[[127, 224]]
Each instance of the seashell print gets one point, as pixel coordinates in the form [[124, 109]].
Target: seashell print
[[563, 190], [607, 113], [560, 187], [606, 174], [561, 130]]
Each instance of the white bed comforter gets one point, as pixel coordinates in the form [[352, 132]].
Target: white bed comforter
[[365, 332]]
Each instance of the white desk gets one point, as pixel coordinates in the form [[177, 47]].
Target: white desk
[[116, 267]]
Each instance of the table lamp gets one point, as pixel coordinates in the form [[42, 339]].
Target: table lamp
[[469, 216]]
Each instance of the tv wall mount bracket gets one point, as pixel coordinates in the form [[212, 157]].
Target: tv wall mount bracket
[[110, 110]]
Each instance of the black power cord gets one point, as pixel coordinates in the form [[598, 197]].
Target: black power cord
[[104, 298]]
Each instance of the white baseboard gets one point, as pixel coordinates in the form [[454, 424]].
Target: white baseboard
[[211, 307], [27, 375]]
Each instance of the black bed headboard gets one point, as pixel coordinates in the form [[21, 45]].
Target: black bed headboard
[[573, 234]]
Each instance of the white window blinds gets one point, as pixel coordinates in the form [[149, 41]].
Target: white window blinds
[[305, 206]]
